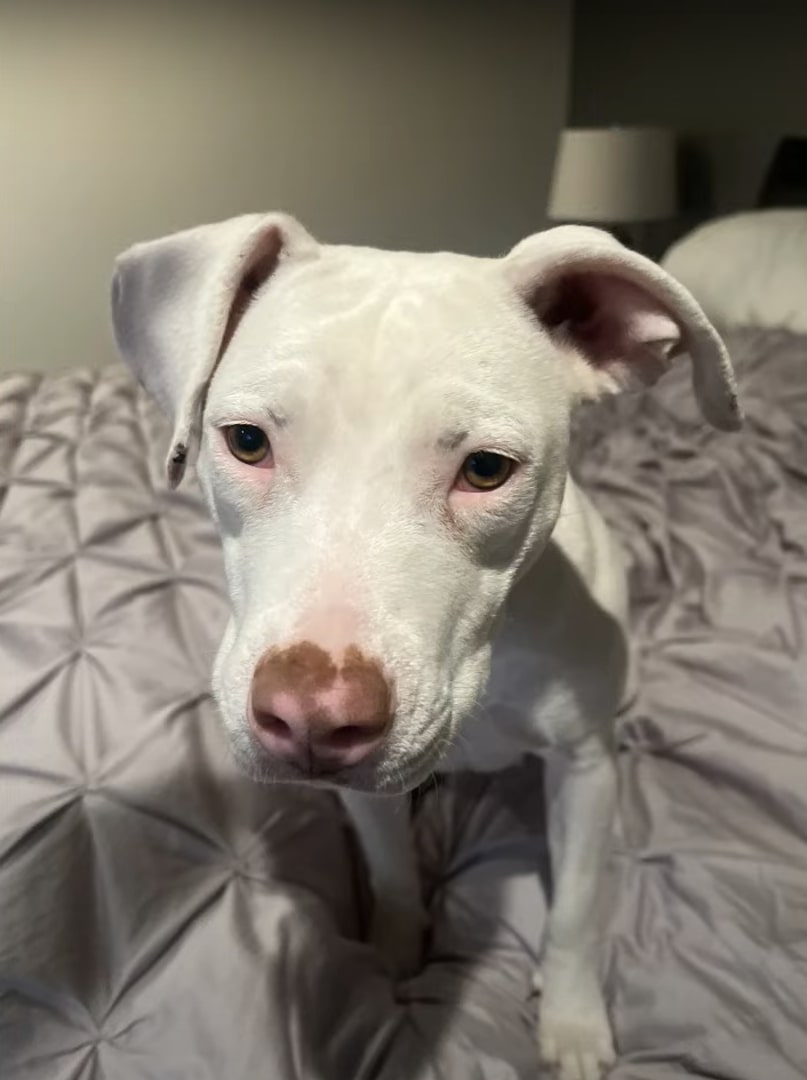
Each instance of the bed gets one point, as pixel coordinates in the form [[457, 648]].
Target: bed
[[163, 919]]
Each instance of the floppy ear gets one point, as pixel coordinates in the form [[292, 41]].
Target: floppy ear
[[176, 303], [624, 315]]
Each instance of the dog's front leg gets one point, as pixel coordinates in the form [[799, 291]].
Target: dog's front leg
[[574, 1031], [384, 829]]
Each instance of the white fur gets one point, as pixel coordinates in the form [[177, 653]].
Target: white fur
[[499, 617]]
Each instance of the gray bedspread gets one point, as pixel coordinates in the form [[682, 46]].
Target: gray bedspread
[[163, 919]]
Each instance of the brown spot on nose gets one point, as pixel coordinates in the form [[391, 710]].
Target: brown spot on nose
[[304, 672], [369, 692], [302, 669]]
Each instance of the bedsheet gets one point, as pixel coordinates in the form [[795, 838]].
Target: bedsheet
[[163, 918]]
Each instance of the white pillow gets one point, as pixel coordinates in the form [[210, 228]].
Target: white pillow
[[749, 269]]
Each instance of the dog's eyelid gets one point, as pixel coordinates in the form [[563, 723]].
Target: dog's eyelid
[[518, 457], [265, 419], [240, 421], [462, 443]]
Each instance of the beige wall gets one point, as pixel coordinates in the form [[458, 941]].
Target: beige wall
[[427, 125]]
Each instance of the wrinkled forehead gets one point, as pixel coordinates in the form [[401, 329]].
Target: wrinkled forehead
[[393, 328]]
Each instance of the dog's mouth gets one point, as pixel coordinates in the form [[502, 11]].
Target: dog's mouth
[[394, 777], [385, 772]]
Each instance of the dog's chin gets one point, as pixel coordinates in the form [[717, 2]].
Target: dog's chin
[[380, 775]]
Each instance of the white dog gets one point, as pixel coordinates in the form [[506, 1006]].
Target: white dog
[[416, 582]]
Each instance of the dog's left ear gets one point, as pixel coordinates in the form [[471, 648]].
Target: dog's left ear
[[177, 301], [624, 316]]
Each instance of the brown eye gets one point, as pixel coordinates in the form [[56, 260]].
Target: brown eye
[[484, 470], [247, 443]]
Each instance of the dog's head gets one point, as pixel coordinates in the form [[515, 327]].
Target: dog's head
[[382, 440]]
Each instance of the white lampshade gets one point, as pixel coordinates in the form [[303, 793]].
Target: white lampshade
[[614, 175]]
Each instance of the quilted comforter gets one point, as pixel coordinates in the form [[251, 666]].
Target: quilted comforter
[[161, 918]]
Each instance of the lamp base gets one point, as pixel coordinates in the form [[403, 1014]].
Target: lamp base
[[623, 235]]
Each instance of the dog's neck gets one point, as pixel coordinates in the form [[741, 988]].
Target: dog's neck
[[569, 608]]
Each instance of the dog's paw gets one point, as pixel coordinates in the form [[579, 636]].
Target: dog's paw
[[575, 1037], [397, 931]]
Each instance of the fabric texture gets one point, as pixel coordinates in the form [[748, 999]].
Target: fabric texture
[[747, 269], [163, 918]]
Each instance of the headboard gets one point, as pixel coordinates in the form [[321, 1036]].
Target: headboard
[[785, 182], [749, 268]]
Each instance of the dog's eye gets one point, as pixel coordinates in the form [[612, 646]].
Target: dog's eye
[[247, 443], [485, 470]]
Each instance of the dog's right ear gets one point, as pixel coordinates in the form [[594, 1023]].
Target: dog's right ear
[[177, 301], [623, 315]]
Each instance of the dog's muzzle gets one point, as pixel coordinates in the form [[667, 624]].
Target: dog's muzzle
[[317, 714]]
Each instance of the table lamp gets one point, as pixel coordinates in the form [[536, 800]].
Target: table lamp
[[615, 177]]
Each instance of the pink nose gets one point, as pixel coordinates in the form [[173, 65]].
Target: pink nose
[[315, 714]]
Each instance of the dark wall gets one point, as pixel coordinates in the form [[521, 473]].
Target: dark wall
[[730, 77]]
